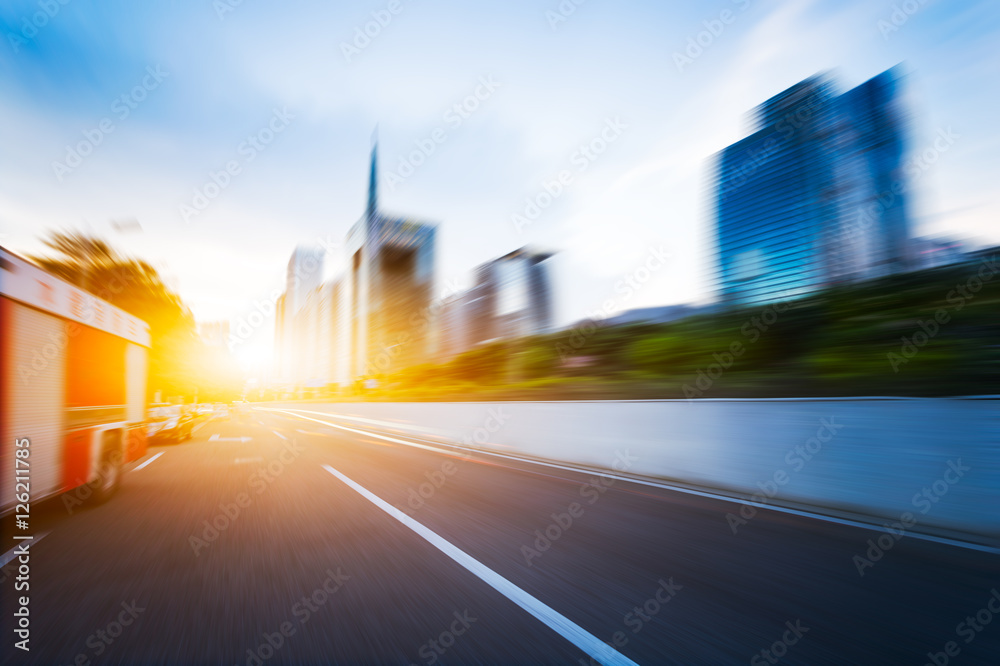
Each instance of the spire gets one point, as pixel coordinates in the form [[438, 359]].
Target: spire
[[373, 178]]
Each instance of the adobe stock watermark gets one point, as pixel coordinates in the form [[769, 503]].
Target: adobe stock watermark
[[365, 34], [787, 126], [420, 322], [259, 482], [626, 287], [641, 615], [247, 150], [554, 186], [929, 328], [752, 331], [562, 12], [901, 13], [714, 27], [79, 495], [453, 118], [122, 107], [968, 629], [434, 648], [303, 611], [913, 169], [223, 7], [101, 640], [592, 490], [796, 459], [779, 648], [31, 25], [495, 420], [923, 501]]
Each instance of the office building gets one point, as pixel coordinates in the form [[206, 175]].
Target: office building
[[815, 196]]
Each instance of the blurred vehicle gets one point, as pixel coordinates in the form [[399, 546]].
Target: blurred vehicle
[[220, 410], [169, 424], [204, 409], [72, 378]]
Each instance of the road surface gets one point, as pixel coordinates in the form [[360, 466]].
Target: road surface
[[274, 539]]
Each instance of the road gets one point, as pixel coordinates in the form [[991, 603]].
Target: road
[[272, 539]]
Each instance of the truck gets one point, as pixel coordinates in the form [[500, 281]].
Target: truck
[[72, 388]]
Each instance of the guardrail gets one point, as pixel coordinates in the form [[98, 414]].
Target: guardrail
[[937, 459]]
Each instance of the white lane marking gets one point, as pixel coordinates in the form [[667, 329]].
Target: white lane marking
[[556, 621], [148, 461], [243, 440], [279, 435], [376, 422], [245, 461], [14, 552], [366, 433], [850, 522], [214, 437]]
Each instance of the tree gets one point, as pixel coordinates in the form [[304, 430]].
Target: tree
[[177, 358]]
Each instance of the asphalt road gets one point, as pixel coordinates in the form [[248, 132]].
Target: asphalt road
[[271, 539]]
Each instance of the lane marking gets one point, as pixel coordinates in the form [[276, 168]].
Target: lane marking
[[850, 522], [14, 552], [556, 621], [246, 461], [280, 435], [365, 432], [148, 461]]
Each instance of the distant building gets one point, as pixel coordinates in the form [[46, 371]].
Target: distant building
[[935, 252], [511, 298], [214, 333], [816, 195], [303, 275], [654, 315]]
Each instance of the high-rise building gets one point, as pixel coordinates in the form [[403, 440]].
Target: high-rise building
[[370, 320], [389, 285], [816, 195], [511, 298]]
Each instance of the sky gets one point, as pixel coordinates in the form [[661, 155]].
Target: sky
[[211, 138]]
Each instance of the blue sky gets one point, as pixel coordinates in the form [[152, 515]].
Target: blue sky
[[558, 84]]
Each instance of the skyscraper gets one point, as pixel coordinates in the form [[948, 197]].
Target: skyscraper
[[389, 284], [815, 196]]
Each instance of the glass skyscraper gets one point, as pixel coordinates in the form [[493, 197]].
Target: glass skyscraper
[[815, 196]]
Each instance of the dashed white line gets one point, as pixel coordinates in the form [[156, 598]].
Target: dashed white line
[[148, 461], [556, 621], [279, 435]]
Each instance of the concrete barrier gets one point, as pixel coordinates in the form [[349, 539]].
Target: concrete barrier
[[880, 458]]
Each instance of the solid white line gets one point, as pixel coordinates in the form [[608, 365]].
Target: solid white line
[[148, 461], [948, 541], [13, 552], [559, 623]]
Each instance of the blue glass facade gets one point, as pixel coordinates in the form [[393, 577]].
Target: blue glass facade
[[789, 197]]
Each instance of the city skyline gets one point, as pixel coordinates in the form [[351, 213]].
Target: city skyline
[[648, 185]]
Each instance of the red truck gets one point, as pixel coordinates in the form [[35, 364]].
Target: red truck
[[72, 387]]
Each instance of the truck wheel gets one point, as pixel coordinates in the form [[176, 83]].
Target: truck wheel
[[109, 473]]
